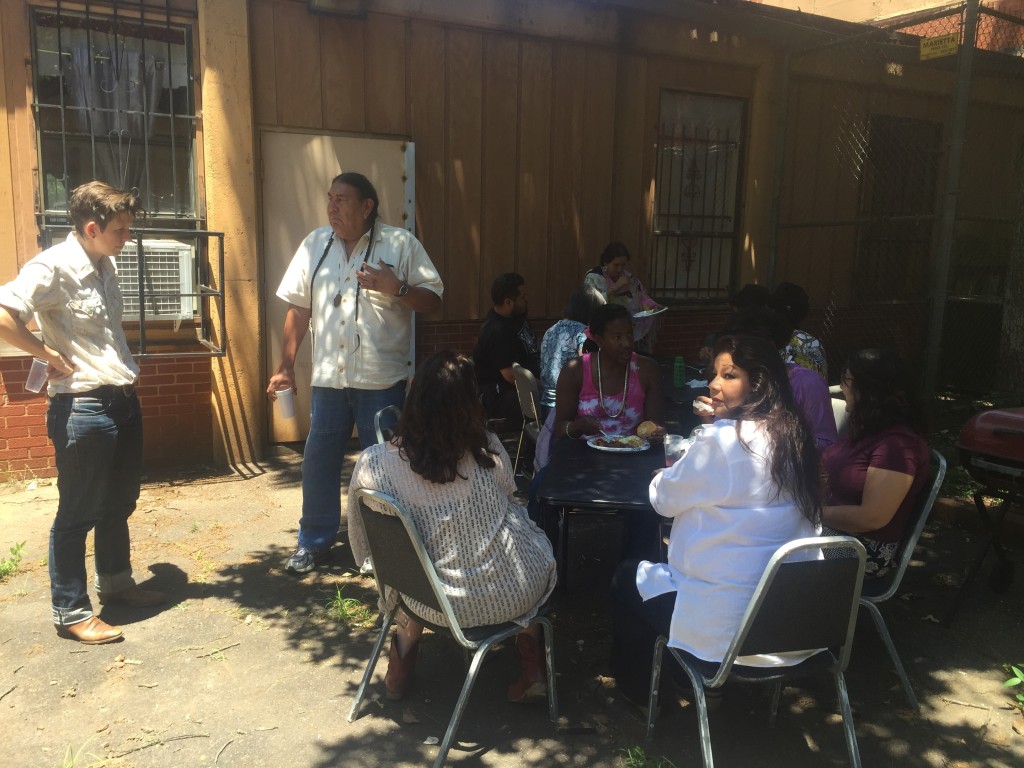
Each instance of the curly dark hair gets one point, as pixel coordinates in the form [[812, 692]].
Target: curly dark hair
[[605, 314], [443, 419], [582, 303], [885, 395], [795, 463]]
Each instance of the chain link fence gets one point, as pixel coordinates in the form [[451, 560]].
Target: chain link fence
[[901, 200]]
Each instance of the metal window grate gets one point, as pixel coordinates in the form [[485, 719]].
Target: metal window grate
[[699, 154], [114, 100]]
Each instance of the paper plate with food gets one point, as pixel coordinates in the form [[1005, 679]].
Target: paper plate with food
[[619, 443]]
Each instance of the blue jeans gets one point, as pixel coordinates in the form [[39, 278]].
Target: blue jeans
[[98, 444], [334, 413]]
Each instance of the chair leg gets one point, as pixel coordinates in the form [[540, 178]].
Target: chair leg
[[652, 698], [774, 710], [549, 663], [519, 453], [372, 663], [460, 705], [702, 711], [876, 616], [562, 555], [851, 733]]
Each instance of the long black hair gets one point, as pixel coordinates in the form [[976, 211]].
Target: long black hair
[[884, 394], [794, 461], [443, 419]]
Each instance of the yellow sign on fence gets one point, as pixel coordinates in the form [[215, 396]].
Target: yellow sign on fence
[[937, 47]]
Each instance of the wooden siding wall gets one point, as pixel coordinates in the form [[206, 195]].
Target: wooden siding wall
[[531, 153], [513, 136], [827, 113]]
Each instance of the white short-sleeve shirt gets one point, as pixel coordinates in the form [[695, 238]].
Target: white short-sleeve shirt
[[371, 350], [78, 307]]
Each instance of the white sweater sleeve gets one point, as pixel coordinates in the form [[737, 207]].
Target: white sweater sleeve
[[702, 477]]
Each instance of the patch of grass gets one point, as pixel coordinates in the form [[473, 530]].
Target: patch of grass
[[71, 759], [1016, 681], [349, 611], [635, 757], [9, 565]]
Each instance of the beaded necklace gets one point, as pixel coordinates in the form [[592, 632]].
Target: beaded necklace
[[600, 391]]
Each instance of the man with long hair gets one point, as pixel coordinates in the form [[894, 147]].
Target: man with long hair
[[355, 284]]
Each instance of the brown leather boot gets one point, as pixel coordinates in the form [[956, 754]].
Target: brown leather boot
[[92, 631], [531, 685], [399, 674]]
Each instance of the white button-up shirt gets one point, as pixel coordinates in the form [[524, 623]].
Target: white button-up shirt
[[368, 348], [78, 308]]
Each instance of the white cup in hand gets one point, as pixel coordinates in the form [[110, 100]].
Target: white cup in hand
[[285, 399], [37, 375]]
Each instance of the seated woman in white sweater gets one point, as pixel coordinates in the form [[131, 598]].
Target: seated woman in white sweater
[[454, 479], [749, 484]]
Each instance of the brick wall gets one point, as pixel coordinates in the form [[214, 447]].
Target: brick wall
[[25, 449], [175, 398]]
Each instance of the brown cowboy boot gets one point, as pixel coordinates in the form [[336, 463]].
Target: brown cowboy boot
[[399, 674], [531, 685]]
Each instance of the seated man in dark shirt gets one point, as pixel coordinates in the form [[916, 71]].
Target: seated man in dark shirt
[[505, 338]]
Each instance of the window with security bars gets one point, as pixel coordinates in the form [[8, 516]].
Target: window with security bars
[[114, 100], [696, 196], [897, 208]]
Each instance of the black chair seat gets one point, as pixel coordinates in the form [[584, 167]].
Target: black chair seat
[[798, 603], [741, 673], [402, 566]]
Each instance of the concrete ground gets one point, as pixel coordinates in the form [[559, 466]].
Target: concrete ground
[[247, 666]]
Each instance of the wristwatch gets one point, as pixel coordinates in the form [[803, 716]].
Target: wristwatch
[[403, 289]]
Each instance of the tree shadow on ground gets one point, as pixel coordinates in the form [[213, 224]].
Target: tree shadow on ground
[[955, 671]]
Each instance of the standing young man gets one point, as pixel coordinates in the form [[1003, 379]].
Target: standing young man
[[355, 284], [93, 417]]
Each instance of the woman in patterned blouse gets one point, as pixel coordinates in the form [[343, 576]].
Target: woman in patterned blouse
[[454, 479], [803, 349]]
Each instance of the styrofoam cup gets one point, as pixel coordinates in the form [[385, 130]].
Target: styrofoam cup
[[37, 375], [285, 399]]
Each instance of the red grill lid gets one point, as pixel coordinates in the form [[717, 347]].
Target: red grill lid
[[999, 433]]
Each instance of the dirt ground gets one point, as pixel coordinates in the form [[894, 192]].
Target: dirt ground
[[246, 666]]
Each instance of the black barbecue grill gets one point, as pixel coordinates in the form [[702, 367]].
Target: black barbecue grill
[[992, 452]]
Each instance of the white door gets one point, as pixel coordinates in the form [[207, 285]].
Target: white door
[[297, 172]]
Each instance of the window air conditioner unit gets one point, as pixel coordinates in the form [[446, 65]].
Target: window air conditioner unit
[[169, 284]]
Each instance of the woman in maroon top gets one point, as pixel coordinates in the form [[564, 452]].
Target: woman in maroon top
[[879, 466]]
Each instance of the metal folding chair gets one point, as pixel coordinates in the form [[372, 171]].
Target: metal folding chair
[[401, 563], [839, 408], [378, 418], [529, 397], [879, 590], [799, 605]]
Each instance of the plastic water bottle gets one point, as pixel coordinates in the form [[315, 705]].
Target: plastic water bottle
[[679, 373]]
